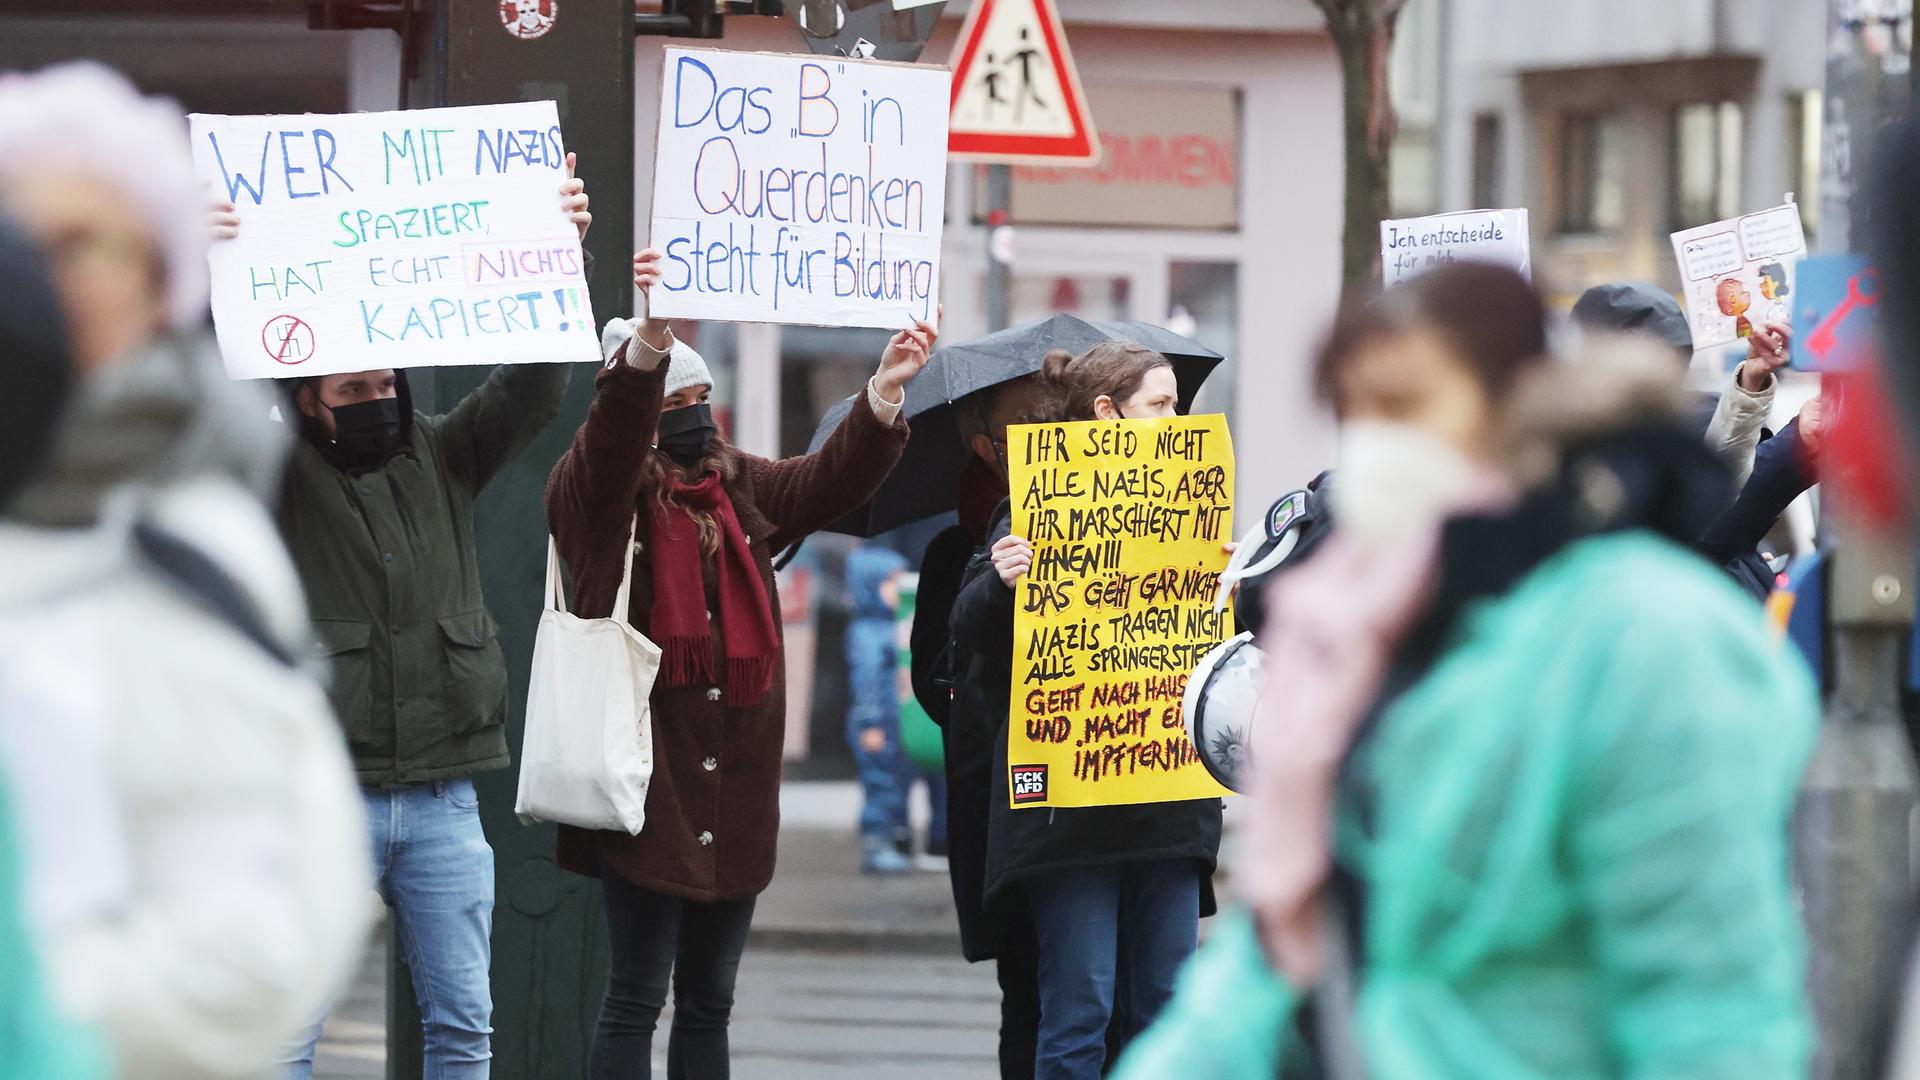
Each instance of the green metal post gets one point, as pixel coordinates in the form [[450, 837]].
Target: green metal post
[[548, 936]]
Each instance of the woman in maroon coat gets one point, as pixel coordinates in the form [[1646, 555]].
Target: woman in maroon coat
[[680, 895]]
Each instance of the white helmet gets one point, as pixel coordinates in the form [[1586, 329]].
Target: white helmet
[[1220, 699]]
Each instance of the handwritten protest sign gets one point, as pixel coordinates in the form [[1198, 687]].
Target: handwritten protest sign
[[399, 239], [791, 189], [1128, 519], [1411, 246], [1739, 272]]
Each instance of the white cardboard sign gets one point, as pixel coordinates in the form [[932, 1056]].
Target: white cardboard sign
[[427, 238], [1739, 272], [796, 189], [1411, 246]]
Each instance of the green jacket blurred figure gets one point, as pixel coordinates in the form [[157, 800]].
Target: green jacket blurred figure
[[1555, 886], [1526, 764], [35, 1044]]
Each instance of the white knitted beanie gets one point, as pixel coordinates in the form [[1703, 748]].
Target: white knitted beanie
[[684, 366]]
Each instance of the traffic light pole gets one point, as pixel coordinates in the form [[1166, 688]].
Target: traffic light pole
[[1853, 836]]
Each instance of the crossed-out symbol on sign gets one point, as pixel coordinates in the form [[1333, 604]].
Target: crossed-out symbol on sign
[[287, 339]]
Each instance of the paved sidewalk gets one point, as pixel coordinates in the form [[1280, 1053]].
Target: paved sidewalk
[[846, 975], [819, 899]]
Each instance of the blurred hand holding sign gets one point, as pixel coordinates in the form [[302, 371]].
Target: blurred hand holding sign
[[400, 239], [790, 189], [1128, 520], [1411, 246], [1738, 274], [1837, 307]]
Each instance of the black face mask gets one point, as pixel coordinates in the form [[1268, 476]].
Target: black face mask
[[367, 433], [686, 434]]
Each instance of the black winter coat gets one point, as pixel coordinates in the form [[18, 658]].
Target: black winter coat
[[1024, 843], [1004, 928]]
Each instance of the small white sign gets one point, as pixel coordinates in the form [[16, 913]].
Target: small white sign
[[432, 237], [794, 189], [1411, 246], [1739, 273]]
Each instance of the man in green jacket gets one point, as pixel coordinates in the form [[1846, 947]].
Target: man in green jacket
[[377, 511]]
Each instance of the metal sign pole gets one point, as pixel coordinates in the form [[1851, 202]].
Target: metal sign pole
[[999, 245], [1853, 837]]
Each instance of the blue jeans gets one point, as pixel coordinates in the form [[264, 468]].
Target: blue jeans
[[434, 869], [1100, 928]]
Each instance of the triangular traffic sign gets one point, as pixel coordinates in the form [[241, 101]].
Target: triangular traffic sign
[[1016, 96]]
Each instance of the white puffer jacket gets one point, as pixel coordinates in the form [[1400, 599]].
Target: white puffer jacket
[[196, 852]]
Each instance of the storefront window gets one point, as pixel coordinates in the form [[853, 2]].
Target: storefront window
[[1203, 304], [1089, 296]]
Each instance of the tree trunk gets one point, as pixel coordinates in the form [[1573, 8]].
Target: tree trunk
[[1362, 32]]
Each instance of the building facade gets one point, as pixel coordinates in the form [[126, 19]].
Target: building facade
[[1614, 124]]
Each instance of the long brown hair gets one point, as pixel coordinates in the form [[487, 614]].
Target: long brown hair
[[1111, 369], [659, 473]]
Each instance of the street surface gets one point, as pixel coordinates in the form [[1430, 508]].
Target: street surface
[[800, 1016], [846, 977]]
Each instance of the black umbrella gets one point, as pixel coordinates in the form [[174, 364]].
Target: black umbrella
[[926, 480]]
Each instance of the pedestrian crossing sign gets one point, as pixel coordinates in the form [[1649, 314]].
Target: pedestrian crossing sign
[[1016, 96]]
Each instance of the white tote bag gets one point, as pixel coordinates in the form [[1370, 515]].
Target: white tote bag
[[587, 757]]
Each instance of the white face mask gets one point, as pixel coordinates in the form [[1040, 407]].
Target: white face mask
[[1393, 481]]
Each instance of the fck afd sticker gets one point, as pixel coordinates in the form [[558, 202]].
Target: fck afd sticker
[[1029, 784]]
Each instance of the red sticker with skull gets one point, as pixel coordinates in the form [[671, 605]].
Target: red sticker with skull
[[529, 19]]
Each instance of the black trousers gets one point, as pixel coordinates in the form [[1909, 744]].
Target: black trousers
[[652, 936]]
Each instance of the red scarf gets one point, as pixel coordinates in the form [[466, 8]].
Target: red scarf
[[680, 623]]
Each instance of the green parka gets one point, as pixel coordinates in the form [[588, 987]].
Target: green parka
[[1576, 864], [393, 582]]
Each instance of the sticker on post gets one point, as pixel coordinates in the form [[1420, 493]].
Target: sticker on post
[[529, 19]]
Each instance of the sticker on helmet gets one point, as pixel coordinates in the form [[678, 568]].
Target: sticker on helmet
[[1285, 513]]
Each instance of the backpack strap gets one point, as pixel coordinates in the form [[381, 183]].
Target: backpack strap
[[209, 587]]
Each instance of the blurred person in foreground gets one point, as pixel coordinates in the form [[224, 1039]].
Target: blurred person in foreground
[[35, 1040], [1522, 810], [193, 858], [377, 511]]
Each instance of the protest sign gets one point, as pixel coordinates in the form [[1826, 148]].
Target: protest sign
[[790, 189], [1837, 306], [1412, 246], [1739, 272], [1128, 520], [400, 239]]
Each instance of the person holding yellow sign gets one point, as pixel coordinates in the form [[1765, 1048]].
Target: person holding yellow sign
[[1117, 892]]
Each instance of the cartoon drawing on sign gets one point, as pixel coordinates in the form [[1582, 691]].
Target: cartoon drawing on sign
[[1729, 267], [1774, 288], [529, 19], [1731, 295]]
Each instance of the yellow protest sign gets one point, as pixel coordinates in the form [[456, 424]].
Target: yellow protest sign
[[1128, 520]]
